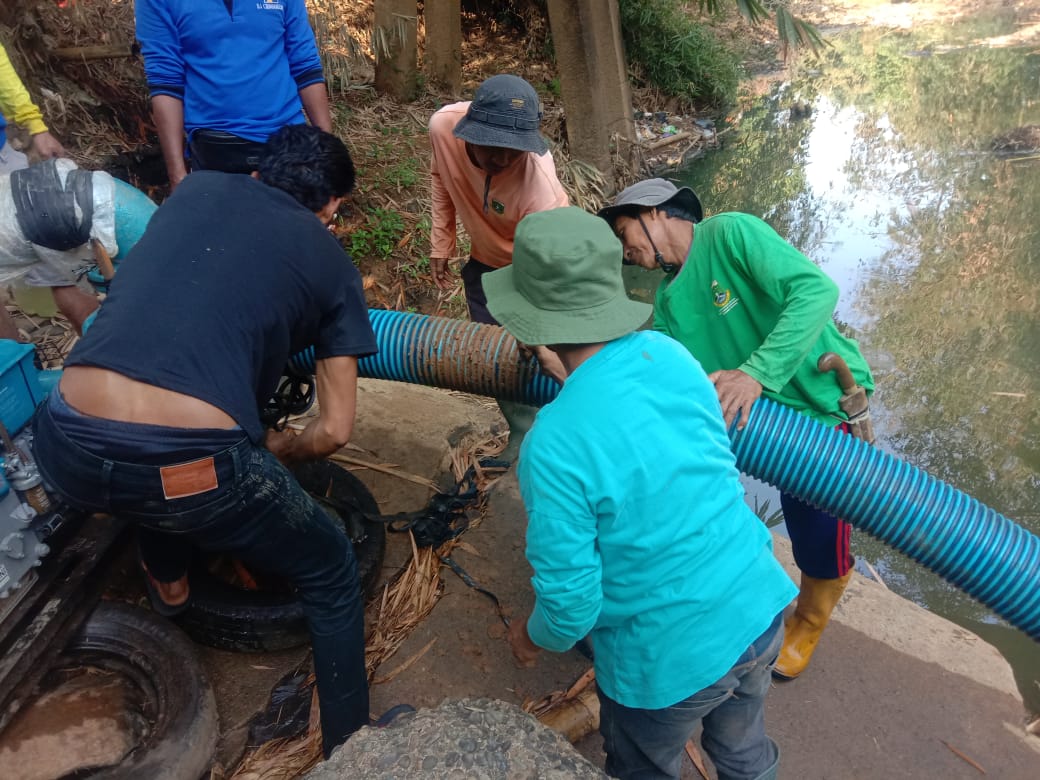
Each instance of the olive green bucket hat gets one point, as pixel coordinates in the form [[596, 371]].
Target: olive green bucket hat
[[564, 286]]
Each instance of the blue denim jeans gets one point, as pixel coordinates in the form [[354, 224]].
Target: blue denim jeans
[[649, 744], [819, 540], [258, 512]]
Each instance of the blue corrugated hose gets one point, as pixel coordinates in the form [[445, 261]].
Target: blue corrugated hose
[[988, 556], [983, 553], [449, 353]]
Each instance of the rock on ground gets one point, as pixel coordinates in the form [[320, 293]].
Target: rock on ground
[[481, 739]]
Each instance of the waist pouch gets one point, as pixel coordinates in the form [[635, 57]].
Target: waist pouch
[[216, 150]]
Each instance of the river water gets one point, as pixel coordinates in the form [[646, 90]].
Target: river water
[[891, 185]]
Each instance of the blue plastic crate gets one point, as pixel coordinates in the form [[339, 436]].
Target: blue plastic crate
[[19, 386]]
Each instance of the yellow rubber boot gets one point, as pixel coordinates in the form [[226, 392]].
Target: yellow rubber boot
[[802, 629]]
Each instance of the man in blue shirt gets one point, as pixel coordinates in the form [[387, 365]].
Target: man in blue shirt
[[228, 73], [638, 533]]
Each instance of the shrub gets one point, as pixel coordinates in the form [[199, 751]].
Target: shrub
[[677, 54]]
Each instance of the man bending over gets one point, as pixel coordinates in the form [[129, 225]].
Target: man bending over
[[156, 417]]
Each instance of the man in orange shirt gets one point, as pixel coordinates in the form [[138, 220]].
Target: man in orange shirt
[[491, 168]]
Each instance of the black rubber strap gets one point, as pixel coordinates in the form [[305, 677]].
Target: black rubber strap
[[468, 580], [46, 211]]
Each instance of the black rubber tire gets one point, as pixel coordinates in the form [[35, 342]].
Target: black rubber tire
[[251, 621], [160, 662]]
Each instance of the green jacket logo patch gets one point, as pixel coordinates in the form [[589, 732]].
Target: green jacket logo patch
[[722, 299]]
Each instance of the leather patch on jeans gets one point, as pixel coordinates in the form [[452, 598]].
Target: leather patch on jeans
[[189, 479]]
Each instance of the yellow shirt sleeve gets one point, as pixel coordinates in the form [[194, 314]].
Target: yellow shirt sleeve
[[15, 102]]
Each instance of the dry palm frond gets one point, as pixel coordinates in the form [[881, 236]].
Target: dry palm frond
[[388, 40], [383, 468], [98, 106], [53, 337], [340, 49], [585, 184], [283, 759], [404, 604]]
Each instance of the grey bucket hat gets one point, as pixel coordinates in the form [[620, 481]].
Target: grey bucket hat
[[565, 285], [504, 113], [650, 193]]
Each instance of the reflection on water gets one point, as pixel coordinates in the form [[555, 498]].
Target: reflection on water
[[891, 186]]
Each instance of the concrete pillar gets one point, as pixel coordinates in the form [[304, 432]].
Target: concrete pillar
[[395, 41], [443, 56], [593, 77]]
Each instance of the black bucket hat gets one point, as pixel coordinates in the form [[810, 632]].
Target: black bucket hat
[[504, 113], [649, 194]]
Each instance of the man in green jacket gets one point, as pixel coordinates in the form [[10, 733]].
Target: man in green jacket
[[757, 314]]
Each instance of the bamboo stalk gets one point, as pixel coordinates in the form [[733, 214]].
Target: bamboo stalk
[[575, 719], [427, 483], [100, 52], [663, 142]]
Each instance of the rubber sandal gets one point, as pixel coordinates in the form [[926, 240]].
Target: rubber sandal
[[158, 604]]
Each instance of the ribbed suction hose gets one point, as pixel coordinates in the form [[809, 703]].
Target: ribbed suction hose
[[983, 553], [448, 353], [988, 556]]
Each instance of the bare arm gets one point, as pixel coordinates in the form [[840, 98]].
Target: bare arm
[[337, 394], [168, 113], [315, 99], [550, 363], [442, 228]]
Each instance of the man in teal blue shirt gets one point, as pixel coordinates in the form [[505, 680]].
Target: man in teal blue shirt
[[638, 533]]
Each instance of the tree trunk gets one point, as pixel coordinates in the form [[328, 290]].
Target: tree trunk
[[395, 40], [593, 79], [444, 43]]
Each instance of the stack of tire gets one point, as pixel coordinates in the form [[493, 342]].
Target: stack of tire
[[160, 663], [229, 617]]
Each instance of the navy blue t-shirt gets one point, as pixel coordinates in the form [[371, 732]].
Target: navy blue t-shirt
[[230, 278]]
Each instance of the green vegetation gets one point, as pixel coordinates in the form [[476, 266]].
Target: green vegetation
[[791, 30], [764, 511], [667, 45], [390, 162], [415, 268], [677, 54], [380, 235]]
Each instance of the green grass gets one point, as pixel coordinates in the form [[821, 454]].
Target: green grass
[[390, 162], [382, 231]]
